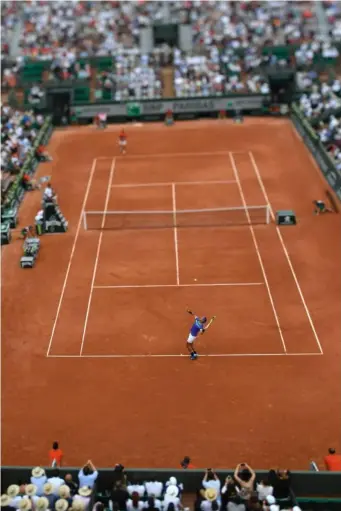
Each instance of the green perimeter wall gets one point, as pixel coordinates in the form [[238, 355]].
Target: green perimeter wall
[[327, 484]]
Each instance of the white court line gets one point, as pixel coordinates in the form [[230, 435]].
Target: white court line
[[175, 230], [216, 355], [177, 183], [231, 284], [168, 155], [111, 175], [261, 184], [72, 254], [235, 171]]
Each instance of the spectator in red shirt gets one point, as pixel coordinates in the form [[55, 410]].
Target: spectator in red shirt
[[333, 461]]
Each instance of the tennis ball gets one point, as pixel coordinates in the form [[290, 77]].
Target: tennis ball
[[195, 280]]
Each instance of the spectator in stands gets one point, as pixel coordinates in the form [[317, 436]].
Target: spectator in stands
[[253, 504], [83, 496], [136, 487], [210, 500], [25, 505], [65, 494], [228, 492], [173, 481], [153, 504], [16, 493], [119, 475], [56, 481], [211, 480], [280, 480], [172, 497], [88, 474], [73, 486], [119, 496], [6, 503], [49, 494], [269, 504], [134, 503], [36, 94], [38, 478], [264, 489], [55, 455], [61, 505], [333, 461], [245, 476], [154, 488], [31, 491]]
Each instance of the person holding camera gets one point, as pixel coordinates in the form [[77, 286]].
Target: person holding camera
[[211, 480], [245, 478]]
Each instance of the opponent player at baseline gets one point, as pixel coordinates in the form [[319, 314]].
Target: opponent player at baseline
[[122, 142], [196, 329]]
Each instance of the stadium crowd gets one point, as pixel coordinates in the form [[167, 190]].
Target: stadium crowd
[[322, 108], [226, 57], [19, 131], [239, 492]]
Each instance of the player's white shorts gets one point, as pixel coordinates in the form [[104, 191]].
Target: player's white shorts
[[123, 143], [191, 339]]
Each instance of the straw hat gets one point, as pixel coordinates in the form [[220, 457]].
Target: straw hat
[[210, 494], [25, 504], [5, 500], [77, 505], [64, 491], [42, 504], [85, 491], [172, 490], [13, 490], [48, 489], [31, 490], [38, 472], [61, 505]]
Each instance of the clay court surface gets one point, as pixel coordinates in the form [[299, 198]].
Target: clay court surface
[[92, 337]]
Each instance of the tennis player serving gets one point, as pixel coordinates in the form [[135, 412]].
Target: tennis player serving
[[196, 329]]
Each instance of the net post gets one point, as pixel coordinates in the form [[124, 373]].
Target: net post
[[267, 214], [84, 221]]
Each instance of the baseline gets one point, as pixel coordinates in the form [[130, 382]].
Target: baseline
[[216, 355], [293, 273]]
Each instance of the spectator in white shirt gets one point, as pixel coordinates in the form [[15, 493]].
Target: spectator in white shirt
[[211, 480], [13, 491], [38, 478], [84, 497], [56, 481], [173, 481], [264, 489], [171, 497], [210, 502], [136, 488], [135, 504], [153, 488], [31, 490], [88, 474]]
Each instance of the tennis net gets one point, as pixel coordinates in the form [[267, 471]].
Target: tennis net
[[219, 217]]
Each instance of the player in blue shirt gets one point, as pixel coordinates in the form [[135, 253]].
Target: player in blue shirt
[[196, 329]]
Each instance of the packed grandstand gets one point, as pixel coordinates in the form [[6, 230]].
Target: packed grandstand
[[97, 45]]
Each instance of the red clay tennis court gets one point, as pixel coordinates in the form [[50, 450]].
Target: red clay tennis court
[[94, 337]]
